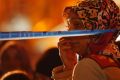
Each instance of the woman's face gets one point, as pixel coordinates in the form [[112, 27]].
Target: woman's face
[[80, 43]]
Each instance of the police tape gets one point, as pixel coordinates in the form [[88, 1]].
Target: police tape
[[45, 34]]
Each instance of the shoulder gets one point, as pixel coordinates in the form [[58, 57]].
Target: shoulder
[[89, 63], [88, 67], [113, 73]]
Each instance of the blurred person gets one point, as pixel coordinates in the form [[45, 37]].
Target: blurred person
[[45, 65], [99, 54], [15, 75], [14, 56]]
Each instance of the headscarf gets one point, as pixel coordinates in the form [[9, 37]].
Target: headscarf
[[97, 14]]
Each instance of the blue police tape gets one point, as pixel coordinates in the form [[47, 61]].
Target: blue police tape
[[35, 35]]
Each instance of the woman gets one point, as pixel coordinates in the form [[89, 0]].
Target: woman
[[99, 54]]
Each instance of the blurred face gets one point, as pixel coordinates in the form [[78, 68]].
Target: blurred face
[[76, 44], [80, 43], [11, 59]]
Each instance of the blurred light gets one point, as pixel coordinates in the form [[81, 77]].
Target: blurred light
[[60, 27], [18, 23], [40, 26], [118, 38]]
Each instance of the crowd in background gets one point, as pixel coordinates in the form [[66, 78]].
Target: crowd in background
[[16, 64]]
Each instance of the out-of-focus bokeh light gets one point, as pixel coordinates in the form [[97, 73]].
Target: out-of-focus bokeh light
[[118, 38], [47, 11], [18, 23], [40, 26]]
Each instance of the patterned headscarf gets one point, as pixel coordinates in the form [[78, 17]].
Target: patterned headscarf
[[97, 14]]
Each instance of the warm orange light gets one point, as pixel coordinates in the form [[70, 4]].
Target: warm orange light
[[40, 26]]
